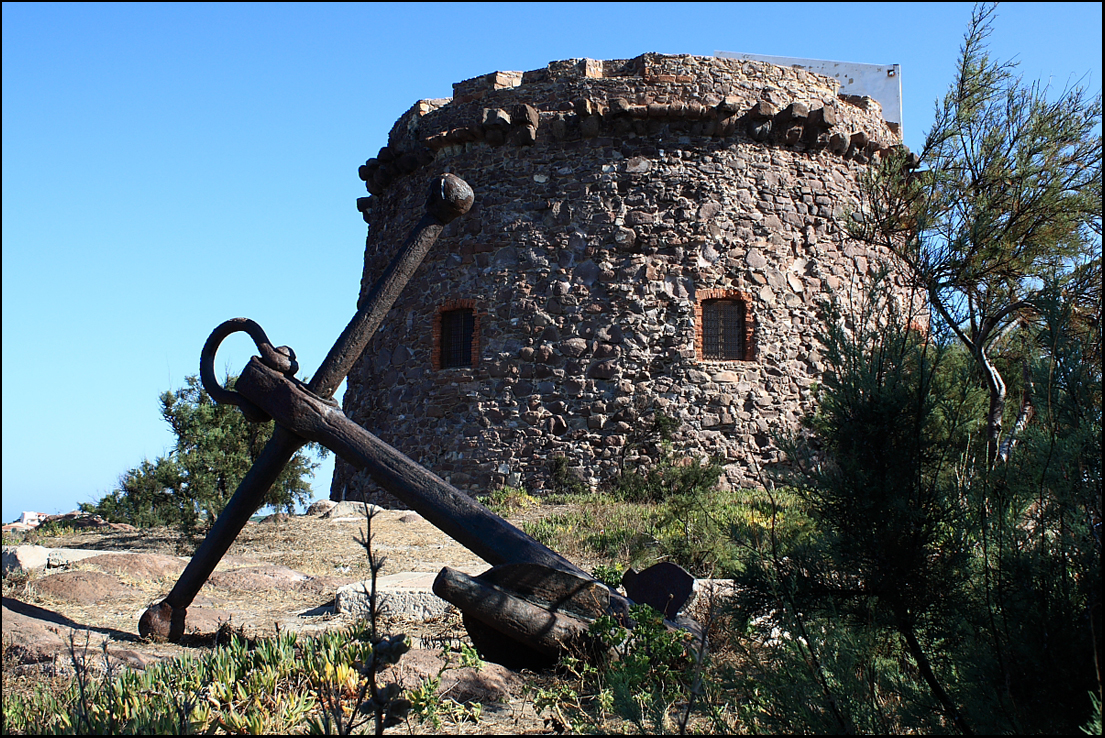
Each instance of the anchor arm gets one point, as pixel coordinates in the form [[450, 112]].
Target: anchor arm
[[165, 620]]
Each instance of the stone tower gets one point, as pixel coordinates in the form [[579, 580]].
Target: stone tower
[[649, 235]]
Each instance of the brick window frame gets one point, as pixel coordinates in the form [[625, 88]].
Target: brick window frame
[[449, 306], [748, 346]]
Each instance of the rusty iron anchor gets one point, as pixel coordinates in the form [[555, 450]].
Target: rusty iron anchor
[[531, 605]]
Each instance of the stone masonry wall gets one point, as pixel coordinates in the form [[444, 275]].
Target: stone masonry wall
[[612, 199]]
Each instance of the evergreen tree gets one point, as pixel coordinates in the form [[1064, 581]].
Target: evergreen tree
[[1037, 523], [215, 447], [953, 584], [988, 576], [1007, 197], [877, 473]]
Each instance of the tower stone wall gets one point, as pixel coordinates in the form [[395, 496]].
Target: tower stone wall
[[615, 201]]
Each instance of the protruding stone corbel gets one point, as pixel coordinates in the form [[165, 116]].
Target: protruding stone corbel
[[526, 119], [796, 113], [876, 150], [619, 112], [857, 144], [838, 143], [588, 113], [620, 106], [378, 173], [759, 120], [585, 107], [825, 117], [729, 105], [727, 115], [495, 122], [791, 122], [364, 171], [364, 207], [819, 125]]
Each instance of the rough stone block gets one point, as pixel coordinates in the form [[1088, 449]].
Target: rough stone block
[[25, 558], [408, 595], [524, 136], [729, 105], [762, 110], [620, 106], [827, 116], [495, 118]]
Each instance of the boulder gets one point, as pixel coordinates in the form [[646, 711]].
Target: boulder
[[84, 587], [487, 684], [350, 509], [321, 507], [25, 558]]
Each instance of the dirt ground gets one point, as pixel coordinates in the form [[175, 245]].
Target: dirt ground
[[255, 584]]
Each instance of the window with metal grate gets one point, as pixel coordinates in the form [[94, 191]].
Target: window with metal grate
[[457, 330], [723, 333]]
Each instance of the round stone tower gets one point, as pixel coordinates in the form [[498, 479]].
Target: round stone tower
[[650, 236]]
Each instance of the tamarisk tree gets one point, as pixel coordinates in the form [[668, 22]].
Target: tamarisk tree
[[1003, 202]]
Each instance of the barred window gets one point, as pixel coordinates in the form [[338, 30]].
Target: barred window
[[457, 331], [723, 330]]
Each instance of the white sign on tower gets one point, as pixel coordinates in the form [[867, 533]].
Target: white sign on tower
[[881, 82]]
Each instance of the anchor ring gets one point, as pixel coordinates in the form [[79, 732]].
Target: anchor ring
[[280, 358]]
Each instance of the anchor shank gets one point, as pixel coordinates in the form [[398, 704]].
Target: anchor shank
[[247, 498], [459, 516], [449, 198]]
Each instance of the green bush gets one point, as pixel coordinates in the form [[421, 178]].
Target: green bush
[[648, 680], [508, 500], [563, 481]]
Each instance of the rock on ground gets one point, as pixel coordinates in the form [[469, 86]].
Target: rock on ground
[[488, 684]]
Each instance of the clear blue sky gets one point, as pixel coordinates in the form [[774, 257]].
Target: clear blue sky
[[166, 167]]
